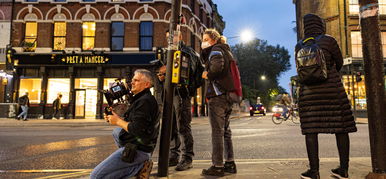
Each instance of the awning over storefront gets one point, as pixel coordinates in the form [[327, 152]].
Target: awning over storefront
[[59, 59]]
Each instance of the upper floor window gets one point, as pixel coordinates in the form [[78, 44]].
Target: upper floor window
[[31, 0], [88, 0], [145, 0], [88, 35], [356, 44], [192, 40], [193, 6], [59, 36], [146, 35], [117, 36], [30, 36], [60, 0], [354, 6]]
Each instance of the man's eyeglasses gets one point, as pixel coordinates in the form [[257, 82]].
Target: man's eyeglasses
[[161, 74]]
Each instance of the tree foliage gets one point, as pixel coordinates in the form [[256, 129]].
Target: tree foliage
[[258, 58]]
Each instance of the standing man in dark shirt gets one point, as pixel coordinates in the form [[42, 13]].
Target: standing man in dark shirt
[[139, 127], [57, 106], [181, 130]]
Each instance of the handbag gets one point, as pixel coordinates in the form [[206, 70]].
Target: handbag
[[129, 152]]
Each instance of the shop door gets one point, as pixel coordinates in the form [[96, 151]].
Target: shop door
[[80, 101]]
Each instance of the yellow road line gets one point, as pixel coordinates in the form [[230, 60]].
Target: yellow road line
[[66, 175]]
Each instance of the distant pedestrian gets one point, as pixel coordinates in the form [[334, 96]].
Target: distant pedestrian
[[57, 107], [324, 106], [217, 56], [24, 104]]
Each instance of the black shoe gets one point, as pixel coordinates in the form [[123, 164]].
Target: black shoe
[[214, 171], [18, 118], [310, 174], [25, 119], [230, 167], [173, 161], [184, 165], [339, 173]]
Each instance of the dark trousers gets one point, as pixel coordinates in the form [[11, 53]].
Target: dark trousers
[[220, 108], [343, 143], [181, 129], [56, 114]]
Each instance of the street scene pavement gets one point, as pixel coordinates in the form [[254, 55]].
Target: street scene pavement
[[72, 148]]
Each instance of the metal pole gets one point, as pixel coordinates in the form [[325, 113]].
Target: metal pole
[[375, 85], [354, 97], [163, 161]]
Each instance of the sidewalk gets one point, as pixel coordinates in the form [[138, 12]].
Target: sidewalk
[[273, 168]]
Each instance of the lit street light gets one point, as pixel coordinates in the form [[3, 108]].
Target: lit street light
[[263, 77], [245, 36]]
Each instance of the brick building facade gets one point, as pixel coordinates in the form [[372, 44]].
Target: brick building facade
[[78, 47]]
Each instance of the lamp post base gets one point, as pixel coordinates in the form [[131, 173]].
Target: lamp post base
[[372, 175]]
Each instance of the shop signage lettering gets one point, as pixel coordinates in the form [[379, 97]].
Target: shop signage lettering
[[78, 59]]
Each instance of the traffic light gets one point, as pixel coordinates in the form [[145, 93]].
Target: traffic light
[[358, 76]]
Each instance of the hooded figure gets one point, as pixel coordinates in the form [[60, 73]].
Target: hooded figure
[[324, 107]]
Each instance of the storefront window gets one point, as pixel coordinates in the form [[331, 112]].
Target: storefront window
[[31, 31], [33, 87], [59, 35], [356, 44], [355, 90], [382, 6], [88, 35], [56, 86]]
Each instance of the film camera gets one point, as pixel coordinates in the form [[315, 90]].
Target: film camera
[[117, 96]]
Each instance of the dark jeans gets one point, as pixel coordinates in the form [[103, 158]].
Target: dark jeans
[[220, 109], [181, 129], [57, 113], [343, 143]]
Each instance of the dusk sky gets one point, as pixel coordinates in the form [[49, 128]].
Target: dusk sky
[[271, 20]]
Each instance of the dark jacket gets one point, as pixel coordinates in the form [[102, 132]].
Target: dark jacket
[[57, 105], [143, 126], [217, 64], [324, 107], [24, 101]]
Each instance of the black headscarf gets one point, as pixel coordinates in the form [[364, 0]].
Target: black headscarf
[[313, 25]]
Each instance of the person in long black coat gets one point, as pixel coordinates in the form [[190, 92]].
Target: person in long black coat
[[324, 107]]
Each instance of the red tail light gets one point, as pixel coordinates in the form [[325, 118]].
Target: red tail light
[[262, 107]]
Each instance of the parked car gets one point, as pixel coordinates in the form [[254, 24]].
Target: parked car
[[257, 109]]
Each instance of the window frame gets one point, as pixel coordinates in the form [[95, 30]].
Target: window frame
[[144, 36], [54, 37], [117, 36], [31, 37], [83, 36]]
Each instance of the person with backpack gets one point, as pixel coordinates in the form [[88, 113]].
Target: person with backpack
[[24, 104], [323, 103], [57, 106], [217, 56], [182, 117]]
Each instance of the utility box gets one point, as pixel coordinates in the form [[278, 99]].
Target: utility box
[[8, 110]]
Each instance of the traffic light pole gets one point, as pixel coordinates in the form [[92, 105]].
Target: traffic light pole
[[375, 86], [163, 160]]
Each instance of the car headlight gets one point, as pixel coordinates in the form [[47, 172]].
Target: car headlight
[[277, 109]]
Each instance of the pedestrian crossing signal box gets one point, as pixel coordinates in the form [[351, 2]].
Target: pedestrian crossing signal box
[[180, 71]]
